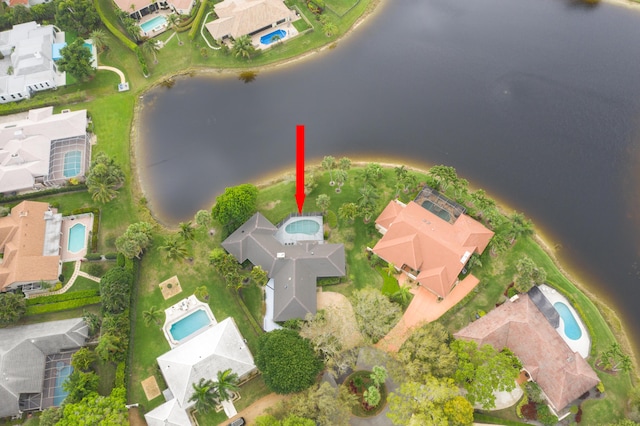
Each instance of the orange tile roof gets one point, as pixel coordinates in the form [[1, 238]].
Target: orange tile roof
[[22, 235], [562, 374], [416, 237]]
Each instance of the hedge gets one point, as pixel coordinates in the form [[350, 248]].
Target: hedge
[[93, 256], [54, 298], [120, 377], [111, 256], [198, 20], [62, 306], [43, 193], [332, 219], [113, 28], [42, 100]]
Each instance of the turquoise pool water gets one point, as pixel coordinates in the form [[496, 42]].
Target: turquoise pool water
[[76, 238], [72, 164], [189, 325], [303, 226], [59, 393], [153, 23], [571, 327], [269, 38]]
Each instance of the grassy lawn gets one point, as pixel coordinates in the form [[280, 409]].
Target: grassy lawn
[[340, 7], [389, 282], [83, 283]]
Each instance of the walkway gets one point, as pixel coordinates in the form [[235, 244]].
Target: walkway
[[113, 69], [76, 273], [424, 308]]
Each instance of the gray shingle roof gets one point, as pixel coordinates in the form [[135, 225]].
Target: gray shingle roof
[[294, 268], [23, 352]]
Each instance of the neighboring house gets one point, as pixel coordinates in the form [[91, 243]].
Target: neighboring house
[[26, 3], [562, 374], [247, 17], [137, 9], [219, 348], [28, 64], [43, 149], [429, 249], [31, 359], [30, 246], [293, 267]]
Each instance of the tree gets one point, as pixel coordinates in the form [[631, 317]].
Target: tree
[[227, 382], [204, 395], [82, 359], [615, 359], [135, 240], [242, 47], [344, 164], [329, 28], [95, 409], [202, 293], [427, 352], [92, 320], [112, 347], [79, 385], [378, 376], [50, 417], [151, 47], [76, 60], [444, 176], [634, 403], [459, 411], [528, 274], [174, 248], [287, 361], [77, 16], [372, 396], [519, 226], [329, 163], [368, 197], [12, 307], [403, 296], [322, 403], [104, 178], [99, 38], [115, 290], [235, 206], [348, 212], [152, 316], [203, 218], [259, 275], [187, 232], [375, 313], [173, 20], [323, 201], [423, 402], [372, 173], [484, 371]]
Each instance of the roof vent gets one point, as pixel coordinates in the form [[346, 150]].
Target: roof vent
[[280, 255]]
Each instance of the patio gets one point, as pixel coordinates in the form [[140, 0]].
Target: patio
[[289, 29]]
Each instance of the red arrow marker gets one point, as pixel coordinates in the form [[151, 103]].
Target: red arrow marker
[[300, 195]]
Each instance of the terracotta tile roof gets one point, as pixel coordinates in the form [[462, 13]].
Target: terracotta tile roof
[[416, 237], [240, 17], [17, 2], [562, 374], [22, 240]]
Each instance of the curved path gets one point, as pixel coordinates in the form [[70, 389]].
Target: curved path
[[113, 69]]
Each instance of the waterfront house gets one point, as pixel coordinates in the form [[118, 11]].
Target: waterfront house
[[247, 17]]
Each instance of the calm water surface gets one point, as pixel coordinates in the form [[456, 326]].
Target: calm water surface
[[536, 101]]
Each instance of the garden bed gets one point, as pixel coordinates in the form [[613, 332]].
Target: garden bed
[[357, 383]]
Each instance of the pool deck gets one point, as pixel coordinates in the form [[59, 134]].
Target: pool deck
[[151, 16], [67, 222], [583, 344], [180, 310]]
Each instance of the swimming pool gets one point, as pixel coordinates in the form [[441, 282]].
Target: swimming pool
[[269, 38], [77, 239], [303, 226], [189, 324], [571, 327], [72, 164], [59, 394], [153, 24]]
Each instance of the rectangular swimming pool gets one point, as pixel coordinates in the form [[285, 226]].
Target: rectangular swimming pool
[[153, 24], [189, 325]]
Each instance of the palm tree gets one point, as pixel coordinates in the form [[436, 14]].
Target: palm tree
[[151, 315], [348, 212], [344, 164], [227, 382], [132, 28], [174, 248], [243, 48], [329, 163], [151, 47], [99, 38], [102, 192], [520, 226], [371, 173], [259, 275], [187, 232], [329, 29], [202, 293], [341, 177], [323, 201], [368, 197], [205, 395], [403, 295], [391, 269], [173, 20]]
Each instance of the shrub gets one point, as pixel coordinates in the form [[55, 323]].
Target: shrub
[[93, 256], [524, 401], [95, 269], [511, 292], [198, 20], [113, 28], [54, 298], [332, 219], [120, 260], [62, 306], [545, 416], [111, 256], [120, 374]]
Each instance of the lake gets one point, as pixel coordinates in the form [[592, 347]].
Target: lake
[[537, 102]]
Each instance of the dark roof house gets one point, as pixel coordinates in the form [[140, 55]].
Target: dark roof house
[[293, 268], [25, 352]]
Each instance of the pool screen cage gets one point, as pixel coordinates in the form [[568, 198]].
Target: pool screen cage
[[428, 194], [62, 167], [51, 387]]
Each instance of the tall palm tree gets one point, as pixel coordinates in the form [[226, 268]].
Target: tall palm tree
[[403, 295], [329, 29], [368, 197], [323, 201], [102, 192], [202, 293], [243, 48], [341, 177], [227, 382], [99, 38], [152, 315], [186, 232], [520, 226], [174, 248], [204, 395], [151, 47], [344, 164], [173, 20], [329, 163]]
